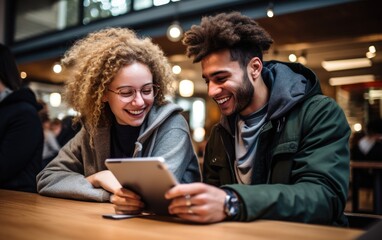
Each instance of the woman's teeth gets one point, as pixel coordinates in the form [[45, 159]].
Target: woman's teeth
[[136, 112]]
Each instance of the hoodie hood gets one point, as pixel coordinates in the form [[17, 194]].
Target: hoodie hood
[[22, 95], [289, 84], [157, 115]]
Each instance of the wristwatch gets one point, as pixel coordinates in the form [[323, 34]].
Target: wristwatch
[[231, 204]]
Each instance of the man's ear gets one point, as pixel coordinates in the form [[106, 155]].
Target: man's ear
[[255, 66]]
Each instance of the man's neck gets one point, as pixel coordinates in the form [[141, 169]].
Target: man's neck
[[259, 98]]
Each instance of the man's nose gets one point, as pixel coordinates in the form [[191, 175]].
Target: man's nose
[[213, 89]]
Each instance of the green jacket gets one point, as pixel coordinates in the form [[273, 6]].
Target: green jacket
[[304, 148]]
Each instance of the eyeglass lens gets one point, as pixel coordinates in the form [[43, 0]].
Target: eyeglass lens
[[128, 94]]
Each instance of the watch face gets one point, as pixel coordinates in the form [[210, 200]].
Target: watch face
[[231, 204], [234, 209]]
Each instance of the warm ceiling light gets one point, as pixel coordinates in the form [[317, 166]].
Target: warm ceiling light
[[303, 57], [375, 93], [174, 32], [270, 12], [337, 65], [372, 49], [357, 127], [302, 60], [186, 88], [176, 69], [23, 75], [57, 68], [199, 134], [351, 80], [292, 57], [370, 54], [55, 99]]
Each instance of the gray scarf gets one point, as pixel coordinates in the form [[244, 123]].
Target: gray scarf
[[246, 138]]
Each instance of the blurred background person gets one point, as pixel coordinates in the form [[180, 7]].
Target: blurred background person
[[68, 129], [21, 134], [56, 126], [369, 147], [51, 145]]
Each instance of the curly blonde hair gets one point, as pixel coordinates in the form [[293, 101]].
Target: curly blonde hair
[[93, 63]]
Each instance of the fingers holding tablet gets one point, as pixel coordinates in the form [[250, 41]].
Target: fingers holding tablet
[[130, 205], [147, 177]]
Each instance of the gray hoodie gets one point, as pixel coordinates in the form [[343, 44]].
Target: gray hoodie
[[164, 133]]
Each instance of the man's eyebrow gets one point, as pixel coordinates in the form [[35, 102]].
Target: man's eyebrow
[[213, 74]]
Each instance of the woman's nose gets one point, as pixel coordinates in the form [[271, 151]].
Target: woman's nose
[[138, 99]]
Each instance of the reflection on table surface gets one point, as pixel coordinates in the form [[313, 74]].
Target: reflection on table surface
[[31, 216]]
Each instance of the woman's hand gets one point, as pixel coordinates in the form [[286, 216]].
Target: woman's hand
[[124, 200], [106, 180]]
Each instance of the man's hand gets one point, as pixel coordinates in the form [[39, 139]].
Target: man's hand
[[197, 202]]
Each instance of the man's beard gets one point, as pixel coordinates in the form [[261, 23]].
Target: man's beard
[[244, 94]]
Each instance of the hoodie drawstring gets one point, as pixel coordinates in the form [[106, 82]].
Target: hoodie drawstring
[[137, 149]]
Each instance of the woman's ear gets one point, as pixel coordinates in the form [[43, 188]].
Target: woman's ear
[[255, 66], [104, 98]]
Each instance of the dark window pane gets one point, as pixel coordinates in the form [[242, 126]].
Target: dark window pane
[[98, 9], [41, 16]]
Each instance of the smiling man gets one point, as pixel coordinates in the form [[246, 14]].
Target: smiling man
[[281, 148]]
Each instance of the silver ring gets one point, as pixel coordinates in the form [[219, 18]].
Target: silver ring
[[188, 200], [189, 211]]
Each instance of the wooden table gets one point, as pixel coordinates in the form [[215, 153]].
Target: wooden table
[[31, 216], [377, 180]]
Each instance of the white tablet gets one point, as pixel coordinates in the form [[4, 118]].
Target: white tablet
[[149, 177]]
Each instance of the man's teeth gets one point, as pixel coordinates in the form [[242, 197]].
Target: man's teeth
[[136, 112], [223, 100]]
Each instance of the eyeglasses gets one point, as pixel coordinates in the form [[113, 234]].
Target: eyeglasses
[[128, 94]]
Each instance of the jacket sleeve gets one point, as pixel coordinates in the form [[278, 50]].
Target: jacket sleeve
[[65, 176], [21, 141], [320, 173], [174, 144]]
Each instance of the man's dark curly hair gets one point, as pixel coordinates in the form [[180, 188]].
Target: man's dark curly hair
[[240, 34]]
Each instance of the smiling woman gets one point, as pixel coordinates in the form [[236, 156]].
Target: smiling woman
[[118, 85], [128, 106]]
